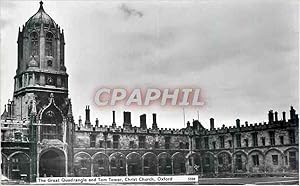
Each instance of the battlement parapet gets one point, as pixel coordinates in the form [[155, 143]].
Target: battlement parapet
[[132, 130], [195, 129]]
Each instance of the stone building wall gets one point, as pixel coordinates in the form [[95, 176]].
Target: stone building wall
[[183, 156]]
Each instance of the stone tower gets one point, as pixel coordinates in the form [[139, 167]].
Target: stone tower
[[41, 69], [41, 89]]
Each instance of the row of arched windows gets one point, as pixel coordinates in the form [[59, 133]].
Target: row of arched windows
[[35, 44]]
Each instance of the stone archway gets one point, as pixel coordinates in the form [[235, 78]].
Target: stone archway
[[224, 162], [291, 158], [208, 164], [150, 163], [179, 162], [134, 164], [19, 166], [194, 163], [52, 163], [100, 164], [164, 164], [4, 165], [240, 161], [274, 161], [256, 161], [117, 164], [82, 164]]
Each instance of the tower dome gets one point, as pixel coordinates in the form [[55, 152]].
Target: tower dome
[[42, 39], [39, 18]]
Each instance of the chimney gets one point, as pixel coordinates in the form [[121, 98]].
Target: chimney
[[80, 121], [276, 116], [114, 119], [87, 116], [143, 123], [9, 108], [154, 124], [292, 113], [283, 116], [188, 124], [238, 123], [97, 122], [271, 116], [212, 124], [127, 119], [12, 108]]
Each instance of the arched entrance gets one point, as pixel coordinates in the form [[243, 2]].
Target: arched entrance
[[52, 164]]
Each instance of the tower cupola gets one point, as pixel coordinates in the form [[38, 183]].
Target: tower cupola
[[40, 18]]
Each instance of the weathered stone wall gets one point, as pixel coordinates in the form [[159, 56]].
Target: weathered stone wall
[[176, 158]]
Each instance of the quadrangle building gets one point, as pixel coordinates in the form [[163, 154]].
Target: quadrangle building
[[39, 137]]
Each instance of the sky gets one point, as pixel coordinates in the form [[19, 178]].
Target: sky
[[242, 54]]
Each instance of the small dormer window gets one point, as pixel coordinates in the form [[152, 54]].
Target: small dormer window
[[49, 63]]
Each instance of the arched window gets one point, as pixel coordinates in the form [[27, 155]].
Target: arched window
[[113, 162], [49, 44], [34, 43]]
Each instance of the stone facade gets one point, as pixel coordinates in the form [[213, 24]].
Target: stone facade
[[36, 126], [39, 137], [261, 148]]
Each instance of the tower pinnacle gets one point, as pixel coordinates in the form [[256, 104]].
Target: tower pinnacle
[[41, 6]]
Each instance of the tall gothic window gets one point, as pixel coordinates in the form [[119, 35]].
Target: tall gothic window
[[49, 44], [254, 139], [34, 43]]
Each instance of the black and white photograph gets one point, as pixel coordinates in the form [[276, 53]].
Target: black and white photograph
[[156, 92]]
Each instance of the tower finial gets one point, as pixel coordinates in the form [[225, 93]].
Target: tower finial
[[41, 5]]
